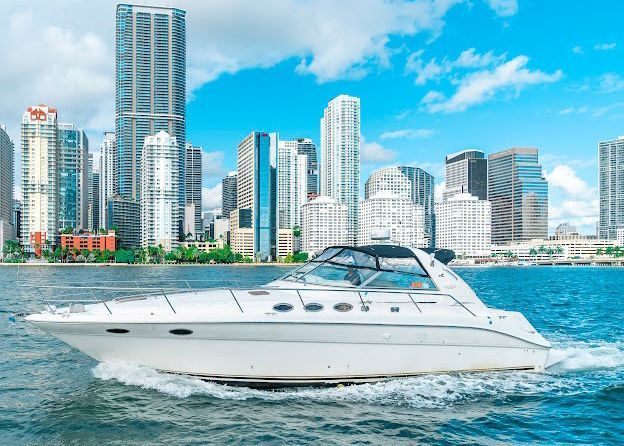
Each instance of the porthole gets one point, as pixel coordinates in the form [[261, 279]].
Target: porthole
[[117, 330], [181, 331], [282, 308], [343, 307], [313, 307]]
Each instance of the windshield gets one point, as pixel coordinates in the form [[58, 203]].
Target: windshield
[[346, 267]]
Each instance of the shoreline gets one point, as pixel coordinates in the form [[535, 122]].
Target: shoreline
[[102, 265]]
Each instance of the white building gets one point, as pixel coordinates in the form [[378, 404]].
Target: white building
[[619, 234], [386, 210], [611, 192], [193, 180], [40, 178], [292, 183], [340, 157], [6, 187], [160, 206], [464, 224], [324, 223], [108, 176]]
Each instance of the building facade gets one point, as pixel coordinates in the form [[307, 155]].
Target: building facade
[[40, 178], [108, 178], [95, 205], [466, 173], [160, 209], [124, 217], [464, 225], [340, 157], [150, 67], [6, 187], [388, 211], [228, 194], [73, 177], [257, 190], [194, 184], [90, 242], [611, 187], [293, 184], [324, 223], [518, 193]]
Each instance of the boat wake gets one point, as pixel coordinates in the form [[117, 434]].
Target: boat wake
[[427, 391]]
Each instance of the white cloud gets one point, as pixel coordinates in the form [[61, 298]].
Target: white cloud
[[611, 82], [566, 179], [578, 50], [212, 164], [605, 46], [504, 8], [407, 133], [439, 191], [480, 86], [211, 197], [373, 152]]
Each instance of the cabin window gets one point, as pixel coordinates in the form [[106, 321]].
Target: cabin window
[[314, 307], [343, 307], [181, 331], [282, 308], [338, 275], [387, 279], [117, 330]]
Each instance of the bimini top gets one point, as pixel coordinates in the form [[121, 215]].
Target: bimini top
[[372, 266]]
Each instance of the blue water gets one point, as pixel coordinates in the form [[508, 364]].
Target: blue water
[[51, 394]]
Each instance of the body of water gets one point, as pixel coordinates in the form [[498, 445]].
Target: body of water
[[51, 394]]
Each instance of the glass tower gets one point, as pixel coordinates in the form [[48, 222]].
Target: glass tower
[[150, 88], [73, 181], [518, 192], [466, 172], [611, 192]]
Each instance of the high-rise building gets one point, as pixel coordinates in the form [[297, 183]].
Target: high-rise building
[[193, 180], [464, 225], [6, 186], [466, 173], [108, 178], [124, 216], [150, 88], [90, 223], [518, 192], [386, 210], [611, 187], [411, 182], [340, 157], [293, 186], [160, 210], [40, 178], [228, 194], [324, 223], [305, 146], [257, 190], [95, 202], [73, 177]]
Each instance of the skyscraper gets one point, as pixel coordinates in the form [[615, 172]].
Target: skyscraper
[[340, 157], [40, 178], [160, 210], [124, 216], [150, 88], [73, 177], [194, 183], [464, 224], [611, 187], [293, 182], [6, 187], [411, 182], [324, 223], [108, 178], [518, 192], [466, 173], [257, 190], [228, 194], [95, 202]]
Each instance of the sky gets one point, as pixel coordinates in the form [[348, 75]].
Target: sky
[[434, 77]]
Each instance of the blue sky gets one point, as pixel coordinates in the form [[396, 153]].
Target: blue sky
[[434, 77]]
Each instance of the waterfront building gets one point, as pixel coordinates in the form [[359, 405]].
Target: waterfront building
[[40, 178], [518, 193], [96, 224], [257, 191], [150, 87], [619, 236], [203, 245], [410, 182], [124, 217], [221, 229], [108, 178], [228, 194], [160, 210], [90, 241], [611, 187], [464, 225], [572, 246], [466, 173], [16, 219], [386, 210], [241, 232], [6, 187], [340, 157], [324, 223], [285, 242], [293, 183], [73, 211], [194, 187]]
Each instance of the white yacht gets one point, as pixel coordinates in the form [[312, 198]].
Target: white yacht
[[351, 315]]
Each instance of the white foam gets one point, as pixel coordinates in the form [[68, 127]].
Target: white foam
[[587, 356]]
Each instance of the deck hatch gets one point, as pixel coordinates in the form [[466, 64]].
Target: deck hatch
[[181, 331]]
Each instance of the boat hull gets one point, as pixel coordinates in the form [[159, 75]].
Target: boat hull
[[262, 354]]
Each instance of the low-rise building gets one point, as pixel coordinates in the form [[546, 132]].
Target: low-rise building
[[89, 241], [203, 245], [285, 242], [556, 247], [324, 223]]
